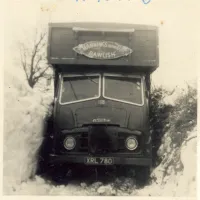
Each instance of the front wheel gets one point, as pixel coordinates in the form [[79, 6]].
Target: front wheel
[[142, 174], [61, 174]]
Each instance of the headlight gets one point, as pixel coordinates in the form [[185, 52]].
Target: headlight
[[131, 143], [69, 143]]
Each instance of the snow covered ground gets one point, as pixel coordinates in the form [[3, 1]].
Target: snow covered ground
[[24, 113]]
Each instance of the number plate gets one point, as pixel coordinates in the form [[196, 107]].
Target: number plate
[[99, 161]]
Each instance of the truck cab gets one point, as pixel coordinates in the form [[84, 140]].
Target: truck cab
[[102, 93]]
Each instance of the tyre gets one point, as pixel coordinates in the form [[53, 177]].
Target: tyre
[[61, 174], [45, 148], [142, 174]]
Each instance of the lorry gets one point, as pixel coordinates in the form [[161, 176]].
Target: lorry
[[102, 77]]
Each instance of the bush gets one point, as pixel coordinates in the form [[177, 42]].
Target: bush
[[159, 114], [175, 129], [183, 118]]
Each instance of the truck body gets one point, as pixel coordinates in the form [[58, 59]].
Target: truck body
[[102, 92]]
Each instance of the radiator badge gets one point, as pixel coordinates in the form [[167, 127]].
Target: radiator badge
[[100, 120], [102, 50]]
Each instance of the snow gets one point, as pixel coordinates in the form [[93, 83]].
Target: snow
[[189, 158], [182, 183], [24, 113], [25, 110], [178, 91]]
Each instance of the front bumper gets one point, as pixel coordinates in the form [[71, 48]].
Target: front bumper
[[79, 159]]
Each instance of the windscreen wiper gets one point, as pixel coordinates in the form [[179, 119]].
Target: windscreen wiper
[[89, 78], [73, 90]]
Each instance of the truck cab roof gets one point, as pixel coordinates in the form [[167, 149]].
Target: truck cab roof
[[103, 25]]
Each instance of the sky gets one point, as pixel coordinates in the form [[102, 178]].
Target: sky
[[177, 21]]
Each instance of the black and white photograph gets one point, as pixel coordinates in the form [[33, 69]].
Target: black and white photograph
[[100, 98]]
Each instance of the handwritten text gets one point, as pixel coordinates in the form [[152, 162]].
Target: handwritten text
[[144, 1]]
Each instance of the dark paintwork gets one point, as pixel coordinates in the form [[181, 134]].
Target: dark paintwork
[[125, 120]]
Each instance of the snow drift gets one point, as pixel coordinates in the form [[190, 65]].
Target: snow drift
[[24, 113], [176, 175]]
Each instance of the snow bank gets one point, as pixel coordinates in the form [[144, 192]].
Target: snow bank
[[175, 176], [24, 113], [187, 182]]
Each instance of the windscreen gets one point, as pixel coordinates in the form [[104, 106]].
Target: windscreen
[[125, 89], [78, 88]]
